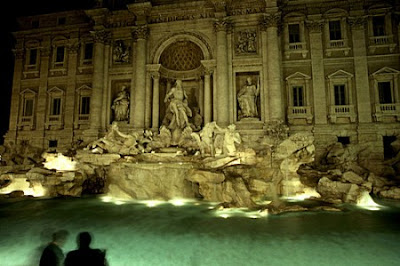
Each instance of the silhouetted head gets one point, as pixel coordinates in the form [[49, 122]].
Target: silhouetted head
[[84, 239], [60, 237]]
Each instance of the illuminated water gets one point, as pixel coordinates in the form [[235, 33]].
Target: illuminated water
[[134, 234]]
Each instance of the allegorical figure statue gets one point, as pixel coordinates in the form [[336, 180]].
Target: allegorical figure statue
[[247, 98], [121, 105], [178, 107]]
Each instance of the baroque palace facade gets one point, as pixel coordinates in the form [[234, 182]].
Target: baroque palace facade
[[326, 67]]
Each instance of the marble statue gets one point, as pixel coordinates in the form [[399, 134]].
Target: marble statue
[[116, 142], [178, 107], [197, 119], [121, 105], [247, 98], [231, 136], [121, 52]]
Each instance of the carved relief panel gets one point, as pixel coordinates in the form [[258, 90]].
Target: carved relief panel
[[121, 52], [246, 42]]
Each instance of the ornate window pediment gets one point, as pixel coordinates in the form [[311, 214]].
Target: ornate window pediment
[[386, 71], [386, 90], [340, 74], [299, 105], [340, 86]]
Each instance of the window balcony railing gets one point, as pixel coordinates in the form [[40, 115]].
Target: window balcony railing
[[54, 121], [83, 117], [342, 111], [300, 112], [387, 110], [381, 41], [296, 48], [26, 122], [337, 46]]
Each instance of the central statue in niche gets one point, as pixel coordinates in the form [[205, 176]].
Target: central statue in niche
[[178, 110], [247, 99]]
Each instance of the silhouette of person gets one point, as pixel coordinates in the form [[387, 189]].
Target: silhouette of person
[[84, 255], [53, 255]]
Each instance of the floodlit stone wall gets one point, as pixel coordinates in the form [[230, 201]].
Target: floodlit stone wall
[[329, 68]]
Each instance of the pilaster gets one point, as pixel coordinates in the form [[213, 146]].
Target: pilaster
[[16, 88], [357, 25], [315, 26], [272, 23]]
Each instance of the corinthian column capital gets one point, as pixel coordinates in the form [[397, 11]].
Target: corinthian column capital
[[100, 36], [141, 32], [358, 23], [271, 20]]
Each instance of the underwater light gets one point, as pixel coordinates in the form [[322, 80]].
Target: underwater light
[[366, 202], [307, 194], [58, 162], [153, 203]]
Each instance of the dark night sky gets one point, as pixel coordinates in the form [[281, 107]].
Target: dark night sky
[[8, 24]]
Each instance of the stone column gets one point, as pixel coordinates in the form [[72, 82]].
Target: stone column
[[276, 105], [148, 108], [138, 101], [16, 89], [201, 96], [105, 116], [156, 100], [361, 69], [264, 75], [222, 90], [69, 110], [318, 75], [207, 98], [96, 100], [41, 110]]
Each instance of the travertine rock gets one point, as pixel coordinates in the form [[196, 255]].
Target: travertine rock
[[391, 193], [352, 177]]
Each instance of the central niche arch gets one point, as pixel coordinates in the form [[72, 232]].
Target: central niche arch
[[182, 56]]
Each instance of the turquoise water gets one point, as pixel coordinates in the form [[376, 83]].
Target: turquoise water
[[134, 234]]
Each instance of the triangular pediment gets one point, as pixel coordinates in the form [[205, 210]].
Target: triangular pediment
[[340, 74], [386, 71], [28, 91], [84, 88], [55, 89], [298, 75]]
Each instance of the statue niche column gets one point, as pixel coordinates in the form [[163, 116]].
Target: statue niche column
[[209, 66], [154, 74], [138, 118]]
